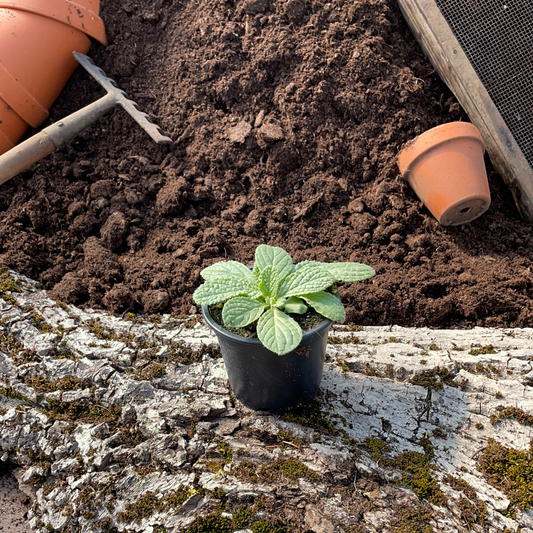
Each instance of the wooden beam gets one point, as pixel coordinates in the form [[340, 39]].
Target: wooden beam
[[445, 53]]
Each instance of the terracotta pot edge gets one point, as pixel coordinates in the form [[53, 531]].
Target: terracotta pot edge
[[410, 153], [93, 27]]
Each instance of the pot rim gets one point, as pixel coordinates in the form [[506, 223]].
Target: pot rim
[[433, 138], [73, 13], [217, 328]]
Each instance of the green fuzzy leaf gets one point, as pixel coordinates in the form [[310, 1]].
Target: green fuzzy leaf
[[327, 305], [241, 311], [305, 263], [349, 271], [278, 332], [256, 272], [225, 270], [269, 283], [306, 280], [273, 256], [295, 305], [220, 290]]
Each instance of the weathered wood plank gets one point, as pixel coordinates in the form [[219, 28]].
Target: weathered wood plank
[[395, 404]]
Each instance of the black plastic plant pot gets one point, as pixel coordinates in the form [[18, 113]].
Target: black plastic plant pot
[[261, 379]]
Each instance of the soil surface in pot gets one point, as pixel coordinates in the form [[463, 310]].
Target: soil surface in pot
[[311, 319], [287, 117]]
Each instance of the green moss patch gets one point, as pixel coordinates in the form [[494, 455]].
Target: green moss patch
[[289, 468], [40, 323], [266, 526], [514, 413], [436, 378], [81, 411], [473, 510], [510, 471], [100, 331], [348, 339], [66, 383], [243, 518], [489, 370], [246, 471], [225, 450], [376, 447], [416, 468], [417, 476], [477, 349], [151, 371], [16, 350], [149, 504], [8, 285], [274, 472], [182, 354], [144, 507], [413, 520], [286, 437], [460, 484], [10, 392], [311, 415], [63, 353], [213, 523]]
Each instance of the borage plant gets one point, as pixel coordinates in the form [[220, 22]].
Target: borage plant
[[273, 290]]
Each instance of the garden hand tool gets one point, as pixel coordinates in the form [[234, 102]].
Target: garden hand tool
[[37, 38], [60, 133]]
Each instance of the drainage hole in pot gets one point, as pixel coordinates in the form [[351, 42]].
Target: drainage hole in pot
[[465, 210]]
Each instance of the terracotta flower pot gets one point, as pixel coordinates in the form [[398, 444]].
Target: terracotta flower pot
[[37, 38], [445, 168]]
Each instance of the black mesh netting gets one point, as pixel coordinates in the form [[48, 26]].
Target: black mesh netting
[[497, 38]]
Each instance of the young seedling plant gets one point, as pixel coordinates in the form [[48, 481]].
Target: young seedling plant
[[275, 289]]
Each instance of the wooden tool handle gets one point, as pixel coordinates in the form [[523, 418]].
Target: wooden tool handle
[[24, 155]]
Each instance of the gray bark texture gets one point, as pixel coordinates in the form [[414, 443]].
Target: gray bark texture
[[128, 424]]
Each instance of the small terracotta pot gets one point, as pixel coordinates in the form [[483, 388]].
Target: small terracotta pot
[[445, 168], [37, 38]]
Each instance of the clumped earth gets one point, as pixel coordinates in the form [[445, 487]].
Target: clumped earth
[[287, 117]]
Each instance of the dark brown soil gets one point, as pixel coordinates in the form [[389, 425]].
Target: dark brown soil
[[287, 117]]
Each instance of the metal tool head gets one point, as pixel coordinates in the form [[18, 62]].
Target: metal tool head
[[122, 99]]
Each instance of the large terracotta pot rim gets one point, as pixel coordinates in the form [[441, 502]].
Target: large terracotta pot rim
[[37, 38], [20, 100], [435, 137], [73, 13], [4, 139]]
